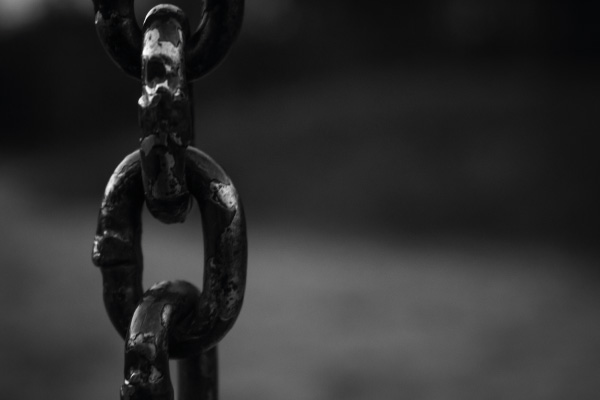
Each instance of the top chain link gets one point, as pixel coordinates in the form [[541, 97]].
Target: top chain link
[[207, 46]]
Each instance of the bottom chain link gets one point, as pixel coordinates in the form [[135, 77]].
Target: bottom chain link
[[173, 319]]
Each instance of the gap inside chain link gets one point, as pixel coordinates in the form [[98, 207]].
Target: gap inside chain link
[[167, 256]]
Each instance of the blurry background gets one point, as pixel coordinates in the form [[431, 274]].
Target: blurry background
[[420, 181]]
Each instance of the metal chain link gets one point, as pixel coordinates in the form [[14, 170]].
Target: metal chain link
[[172, 319]]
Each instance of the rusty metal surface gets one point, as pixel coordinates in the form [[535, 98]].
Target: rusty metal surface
[[208, 45], [173, 319], [165, 114]]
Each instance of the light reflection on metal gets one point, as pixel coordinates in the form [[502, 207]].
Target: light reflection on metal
[[172, 319]]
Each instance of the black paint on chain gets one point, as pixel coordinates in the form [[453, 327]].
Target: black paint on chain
[[172, 319]]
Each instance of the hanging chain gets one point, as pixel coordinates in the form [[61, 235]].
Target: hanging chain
[[172, 319]]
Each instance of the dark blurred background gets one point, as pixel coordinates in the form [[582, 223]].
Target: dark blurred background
[[420, 180]]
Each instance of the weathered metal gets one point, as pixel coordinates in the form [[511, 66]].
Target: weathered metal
[[165, 113], [172, 319], [208, 45]]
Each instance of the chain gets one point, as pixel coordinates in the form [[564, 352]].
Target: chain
[[172, 319]]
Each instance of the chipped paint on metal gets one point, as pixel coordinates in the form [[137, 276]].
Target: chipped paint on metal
[[155, 375], [143, 344], [165, 315], [223, 194], [155, 46]]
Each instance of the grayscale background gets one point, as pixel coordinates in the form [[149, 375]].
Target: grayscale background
[[421, 186]]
